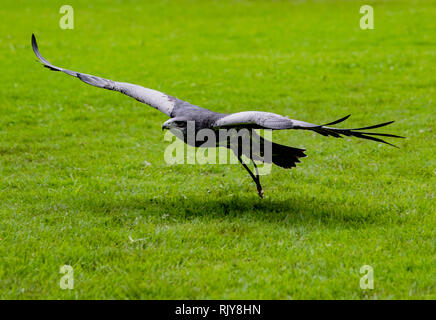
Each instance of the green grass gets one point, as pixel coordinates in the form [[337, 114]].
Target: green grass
[[83, 179]]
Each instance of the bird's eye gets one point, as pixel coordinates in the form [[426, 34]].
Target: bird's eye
[[180, 123]]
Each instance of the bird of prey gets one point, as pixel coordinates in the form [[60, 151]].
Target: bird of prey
[[182, 113]]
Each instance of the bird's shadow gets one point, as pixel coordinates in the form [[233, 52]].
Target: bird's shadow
[[291, 211]]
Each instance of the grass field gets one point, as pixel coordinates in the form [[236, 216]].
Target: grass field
[[83, 180]]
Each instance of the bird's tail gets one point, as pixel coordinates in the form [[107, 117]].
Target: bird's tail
[[286, 157], [281, 155]]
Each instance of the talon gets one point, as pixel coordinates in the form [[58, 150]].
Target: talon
[[260, 193]]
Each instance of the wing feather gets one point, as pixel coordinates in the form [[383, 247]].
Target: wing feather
[[153, 98], [354, 132], [272, 121]]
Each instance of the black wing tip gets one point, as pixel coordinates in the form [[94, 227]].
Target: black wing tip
[[375, 126], [392, 145], [380, 134], [41, 59], [35, 48], [34, 44], [377, 140], [336, 121], [337, 132]]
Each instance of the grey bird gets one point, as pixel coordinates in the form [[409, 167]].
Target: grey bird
[[182, 113]]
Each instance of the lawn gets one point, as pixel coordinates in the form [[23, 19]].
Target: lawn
[[83, 181]]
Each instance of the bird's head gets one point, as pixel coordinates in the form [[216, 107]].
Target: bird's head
[[175, 123]]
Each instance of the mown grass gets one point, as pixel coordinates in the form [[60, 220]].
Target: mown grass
[[84, 182]]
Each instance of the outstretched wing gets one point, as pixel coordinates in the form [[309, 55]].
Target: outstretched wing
[[254, 120], [272, 121], [153, 98]]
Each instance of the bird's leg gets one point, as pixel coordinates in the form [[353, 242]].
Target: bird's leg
[[254, 177], [259, 187]]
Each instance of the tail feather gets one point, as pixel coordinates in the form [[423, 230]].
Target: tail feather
[[286, 157], [281, 155], [266, 151]]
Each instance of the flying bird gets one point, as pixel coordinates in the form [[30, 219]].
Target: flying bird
[[182, 113]]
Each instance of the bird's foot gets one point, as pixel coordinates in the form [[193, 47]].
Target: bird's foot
[[260, 192]]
